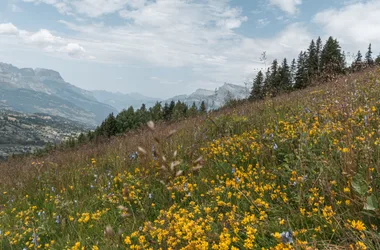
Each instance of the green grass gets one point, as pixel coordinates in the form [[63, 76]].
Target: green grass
[[305, 162]]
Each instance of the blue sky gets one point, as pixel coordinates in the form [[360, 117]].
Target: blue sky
[[163, 48]]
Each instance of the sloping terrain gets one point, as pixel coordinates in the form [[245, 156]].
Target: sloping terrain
[[24, 133], [300, 171], [45, 91]]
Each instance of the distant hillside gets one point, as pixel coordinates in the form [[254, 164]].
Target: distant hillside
[[24, 133], [45, 91], [214, 99], [122, 101]]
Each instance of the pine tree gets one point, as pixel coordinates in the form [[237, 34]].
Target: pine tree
[[377, 61], [82, 138], [274, 78], [166, 112], [312, 61], [332, 60], [142, 116], [156, 112], [285, 76], [318, 49], [357, 64], [193, 110], [368, 56], [110, 126], [266, 88], [203, 108], [126, 120], [301, 74], [257, 88], [293, 70]]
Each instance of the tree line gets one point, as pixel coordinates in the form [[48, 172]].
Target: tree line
[[318, 63], [131, 119]]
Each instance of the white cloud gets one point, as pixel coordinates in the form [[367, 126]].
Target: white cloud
[[197, 35], [8, 29], [289, 6], [43, 39], [73, 49], [355, 25]]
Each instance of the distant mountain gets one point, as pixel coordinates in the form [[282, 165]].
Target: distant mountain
[[123, 101], [22, 133], [45, 91], [214, 99]]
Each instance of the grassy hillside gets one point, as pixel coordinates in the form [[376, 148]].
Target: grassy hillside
[[300, 171]]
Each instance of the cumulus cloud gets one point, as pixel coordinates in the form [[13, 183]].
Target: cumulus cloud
[[43, 39], [73, 49], [288, 6], [200, 36], [8, 29], [355, 24]]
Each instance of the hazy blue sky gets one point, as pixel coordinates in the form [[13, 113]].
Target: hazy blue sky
[[163, 48]]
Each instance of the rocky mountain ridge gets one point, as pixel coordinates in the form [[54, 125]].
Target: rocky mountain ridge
[[45, 91]]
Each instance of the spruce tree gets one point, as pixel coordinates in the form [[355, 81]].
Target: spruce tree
[[274, 78], [368, 56], [257, 88], [357, 64], [110, 126], [166, 112], [156, 112], [332, 60], [126, 120], [301, 74], [293, 70], [203, 108], [266, 88], [377, 61], [285, 76], [193, 110], [312, 60], [319, 47]]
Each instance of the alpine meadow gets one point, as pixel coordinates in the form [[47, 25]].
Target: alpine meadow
[[291, 161]]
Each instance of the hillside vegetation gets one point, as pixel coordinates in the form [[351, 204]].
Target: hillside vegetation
[[299, 171]]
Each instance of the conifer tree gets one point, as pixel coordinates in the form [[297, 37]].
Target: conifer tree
[[266, 88], [156, 112], [203, 108], [312, 61], [274, 78], [318, 49], [332, 60], [166, 112], [285, 76], [110, 126], [257, 88], [368, 56], [357, 64], [293, 70], [301, 74], [126, 120], [193, 110], [377, 61]]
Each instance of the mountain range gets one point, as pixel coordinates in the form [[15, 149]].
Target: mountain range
[[213, 99], [45, 91]]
